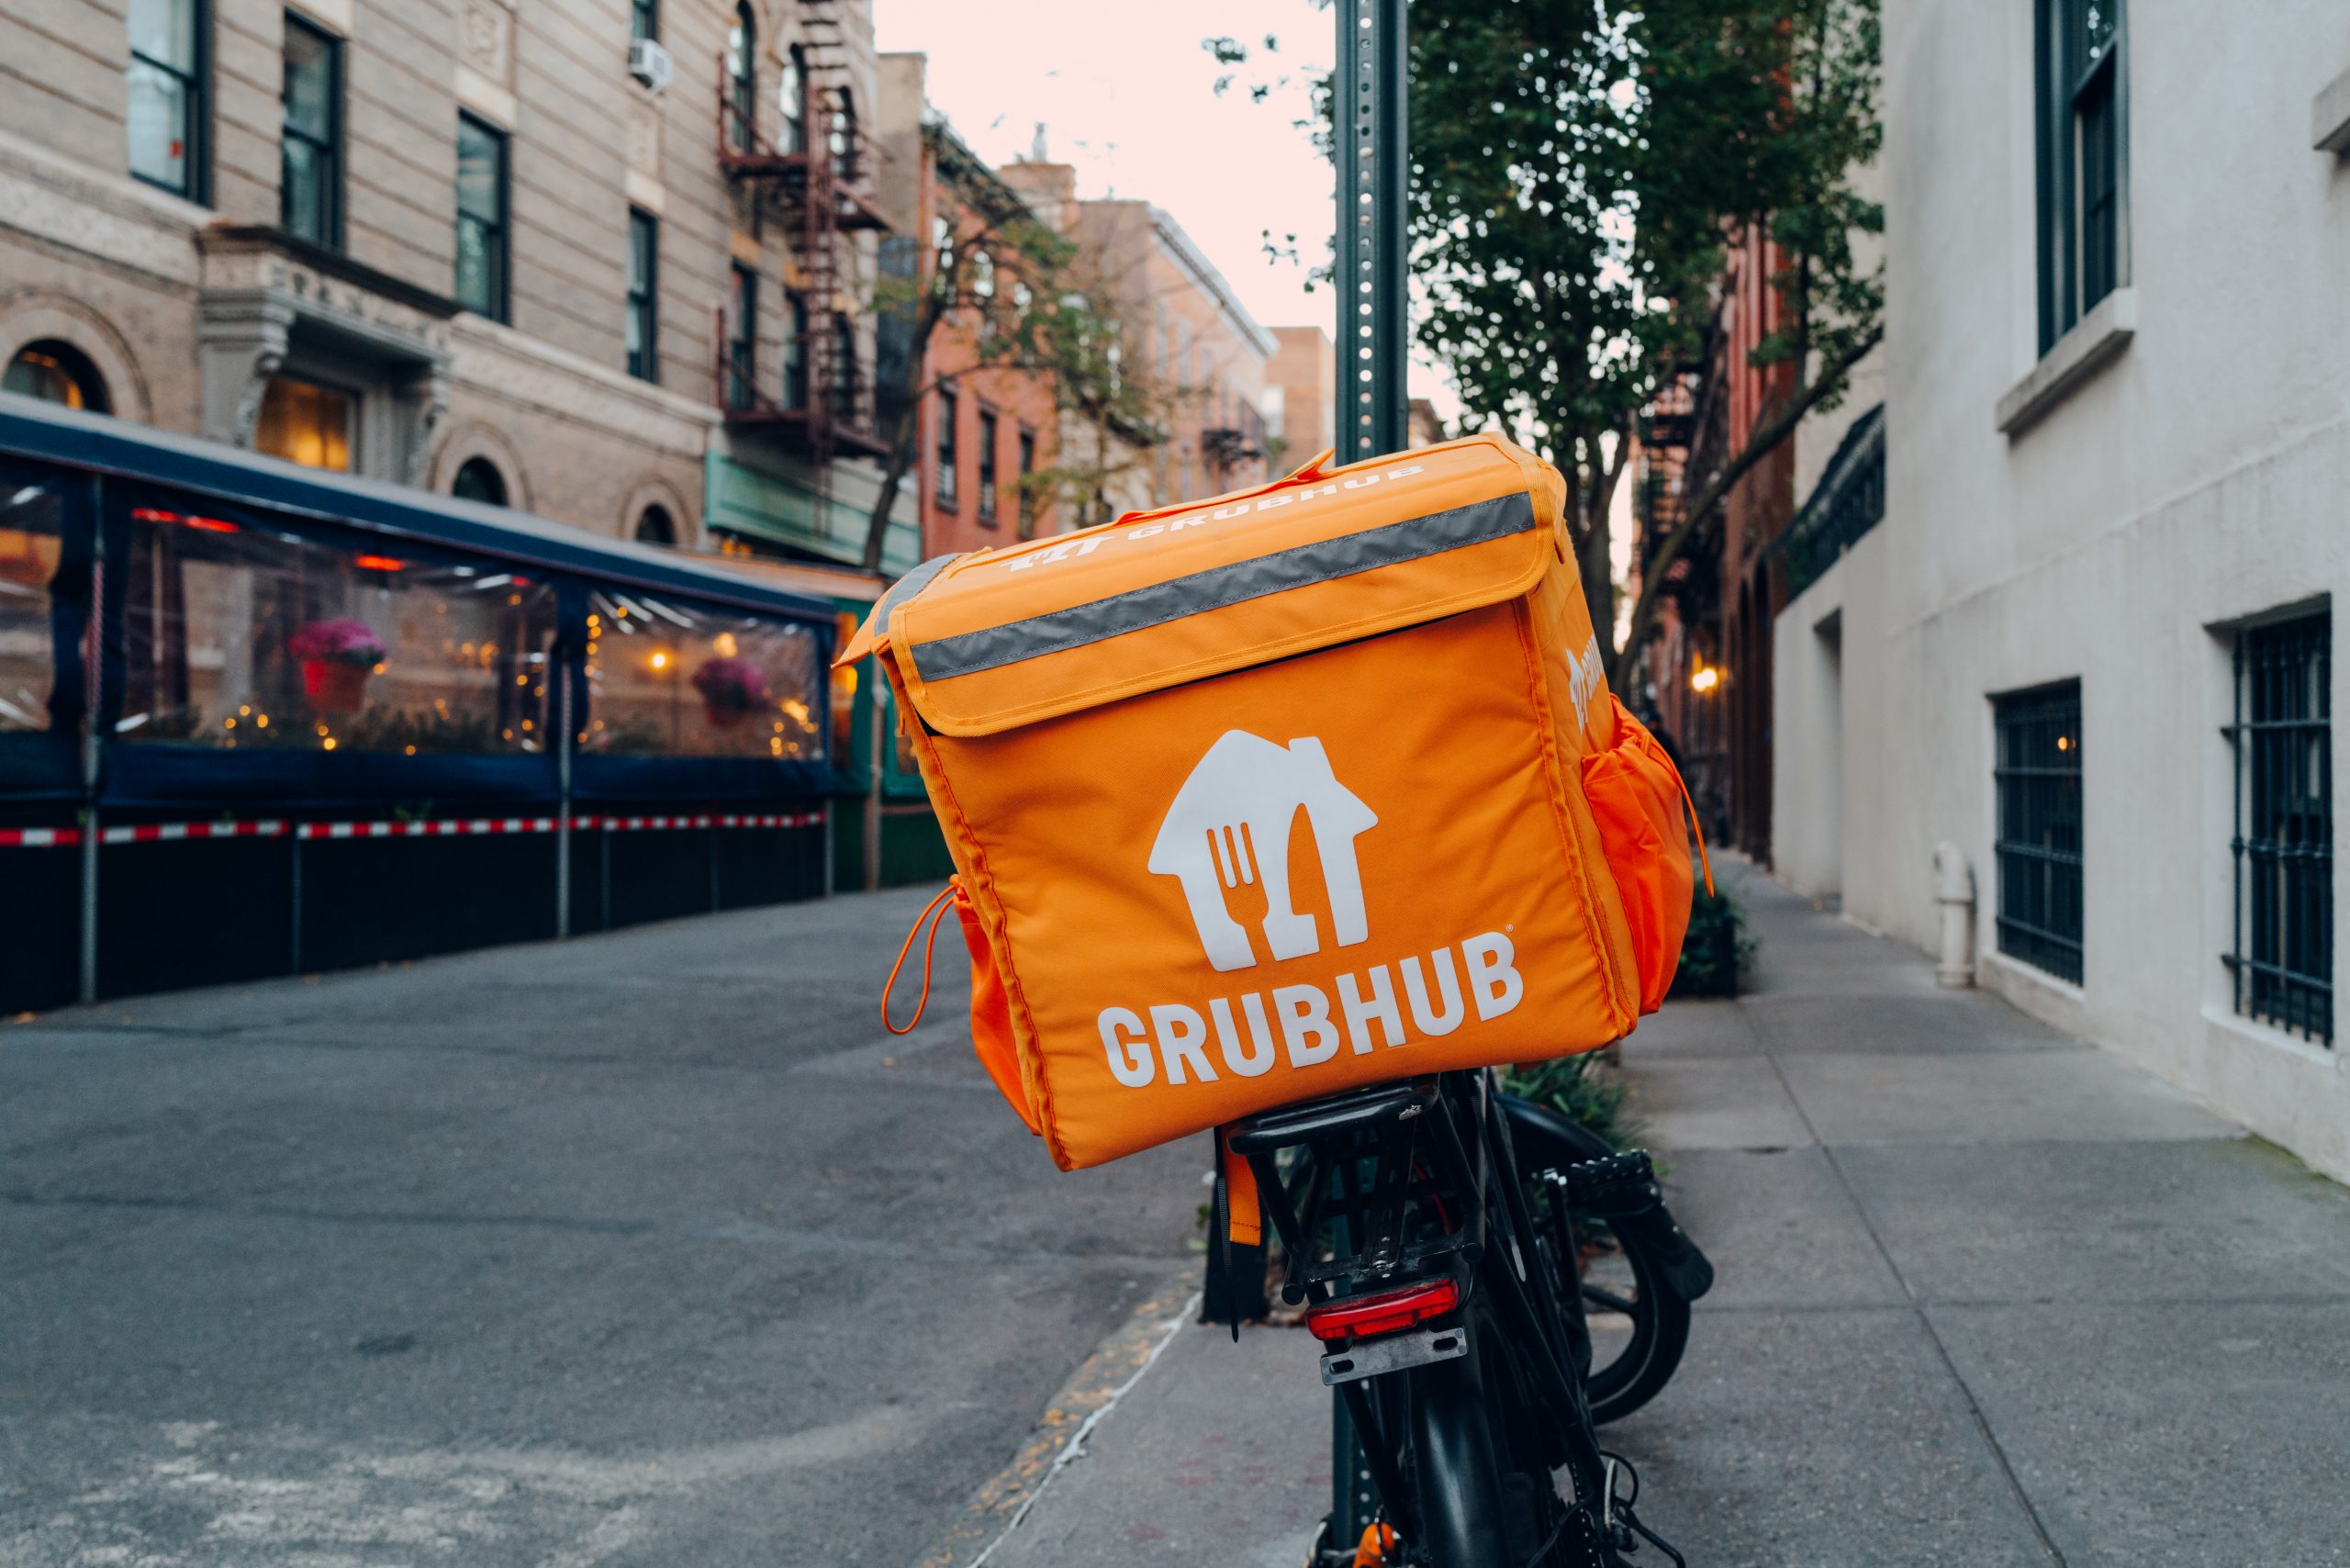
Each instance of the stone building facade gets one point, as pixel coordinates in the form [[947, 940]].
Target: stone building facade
[[2089, 648], [484, 245]]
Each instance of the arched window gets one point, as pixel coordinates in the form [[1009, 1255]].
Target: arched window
[[57, 371], [791, 97], [654, 527], [742, 72], [843, 133], [478, 480]]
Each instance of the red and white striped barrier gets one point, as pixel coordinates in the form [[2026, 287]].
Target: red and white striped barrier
[[173, 833], [451, 827]]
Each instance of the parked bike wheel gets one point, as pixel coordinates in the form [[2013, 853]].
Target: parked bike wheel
[[1636, 1324]]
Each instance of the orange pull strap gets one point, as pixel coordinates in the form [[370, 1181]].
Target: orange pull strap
[[1312, 473], [1244, 1212], [1699, 829], [934, 913]]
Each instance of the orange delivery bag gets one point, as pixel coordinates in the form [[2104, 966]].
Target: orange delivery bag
[[1298, 789]]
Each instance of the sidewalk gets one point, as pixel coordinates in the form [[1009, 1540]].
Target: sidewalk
[[1987, 1296]]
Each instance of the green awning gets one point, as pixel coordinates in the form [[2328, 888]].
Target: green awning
[[761, 504]]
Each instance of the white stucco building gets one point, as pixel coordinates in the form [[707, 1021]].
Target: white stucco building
[[2117, 507]]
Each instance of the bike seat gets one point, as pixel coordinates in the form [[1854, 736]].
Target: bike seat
[[1370, 1108]]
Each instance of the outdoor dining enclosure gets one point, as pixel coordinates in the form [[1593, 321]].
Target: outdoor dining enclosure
[[256, 720]]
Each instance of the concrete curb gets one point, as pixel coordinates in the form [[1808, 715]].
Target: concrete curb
[[1000, 1503]]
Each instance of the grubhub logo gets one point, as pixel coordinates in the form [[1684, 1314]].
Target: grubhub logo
[[1229, 829], [1225, 839]]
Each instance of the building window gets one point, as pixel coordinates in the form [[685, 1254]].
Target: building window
[[743, 338], [943, 445], [305, 423], [166, 108], [57, 373], [309, 191], [643, 19], [241, 635], [792, 98], [2283, 738], [795, 351], [643, 295], [2084, 234], [841, 136], [2038, 780], [481, 217], [1027, 483], [743, 78], [846, 370], [34, 517], [654, 527], [987, 467], [478, 480]]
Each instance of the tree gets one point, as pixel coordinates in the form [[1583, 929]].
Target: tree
[[1578, 168], [1026, 296]]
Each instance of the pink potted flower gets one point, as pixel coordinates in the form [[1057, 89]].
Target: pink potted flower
[[337, 657], [732, 690]]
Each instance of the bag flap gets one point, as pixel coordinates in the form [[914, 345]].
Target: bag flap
[[1003, 638]]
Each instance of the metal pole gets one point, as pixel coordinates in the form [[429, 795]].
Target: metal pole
[[1374, 172], [93, 643], [559, 672]]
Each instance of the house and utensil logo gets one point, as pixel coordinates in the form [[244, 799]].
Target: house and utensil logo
[[1229, 830], [1225, 839]]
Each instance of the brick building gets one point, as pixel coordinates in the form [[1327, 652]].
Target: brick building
[[607, 262], [1301, 397], [986, 436], [1197, 356], [1708, 666]]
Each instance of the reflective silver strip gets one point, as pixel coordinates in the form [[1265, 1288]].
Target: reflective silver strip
[[992, 647], [912, 583]]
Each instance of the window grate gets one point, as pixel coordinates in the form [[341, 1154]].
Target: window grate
[[2038, 778], [2282, 736]]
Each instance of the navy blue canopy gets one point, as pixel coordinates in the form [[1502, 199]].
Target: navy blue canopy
[[34, 429]]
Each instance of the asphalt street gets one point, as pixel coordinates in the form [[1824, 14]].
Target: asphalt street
[[647, 1249]]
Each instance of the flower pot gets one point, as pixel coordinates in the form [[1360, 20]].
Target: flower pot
[[333, 687], [723, 718]]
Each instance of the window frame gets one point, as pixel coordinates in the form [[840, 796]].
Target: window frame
[[742, 82], [1027, 462], [643, 294], [990, 431], [2266, 986], [644, 20], [795, 349], [846, 370], [743, 347], [2024, 801], [945, 449], [2062, 81], [196, 86], [499, 228], [329, 150], [791, 101]]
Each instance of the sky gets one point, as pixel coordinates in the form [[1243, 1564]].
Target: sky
[[1127, 94]]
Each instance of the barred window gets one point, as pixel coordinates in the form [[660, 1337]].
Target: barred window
[[2282, 957], [2038, 777]]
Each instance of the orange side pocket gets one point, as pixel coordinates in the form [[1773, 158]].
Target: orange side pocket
[[992, 1035], [1636, 798]]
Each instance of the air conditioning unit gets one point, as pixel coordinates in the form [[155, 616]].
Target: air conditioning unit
[[650, 64]]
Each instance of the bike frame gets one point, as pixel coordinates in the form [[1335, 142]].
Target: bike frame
[[1407, 1183]]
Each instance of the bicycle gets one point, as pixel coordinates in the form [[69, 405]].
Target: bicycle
[[1410, 1229]]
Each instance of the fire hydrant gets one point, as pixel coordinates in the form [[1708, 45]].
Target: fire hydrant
[[1954, 891]]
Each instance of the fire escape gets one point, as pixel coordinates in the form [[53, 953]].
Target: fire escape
[[817, 184]]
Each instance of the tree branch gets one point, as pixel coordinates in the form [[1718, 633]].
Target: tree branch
[[1760, 443]]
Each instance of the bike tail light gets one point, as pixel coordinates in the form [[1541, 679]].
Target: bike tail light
[[1387, 1312]]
